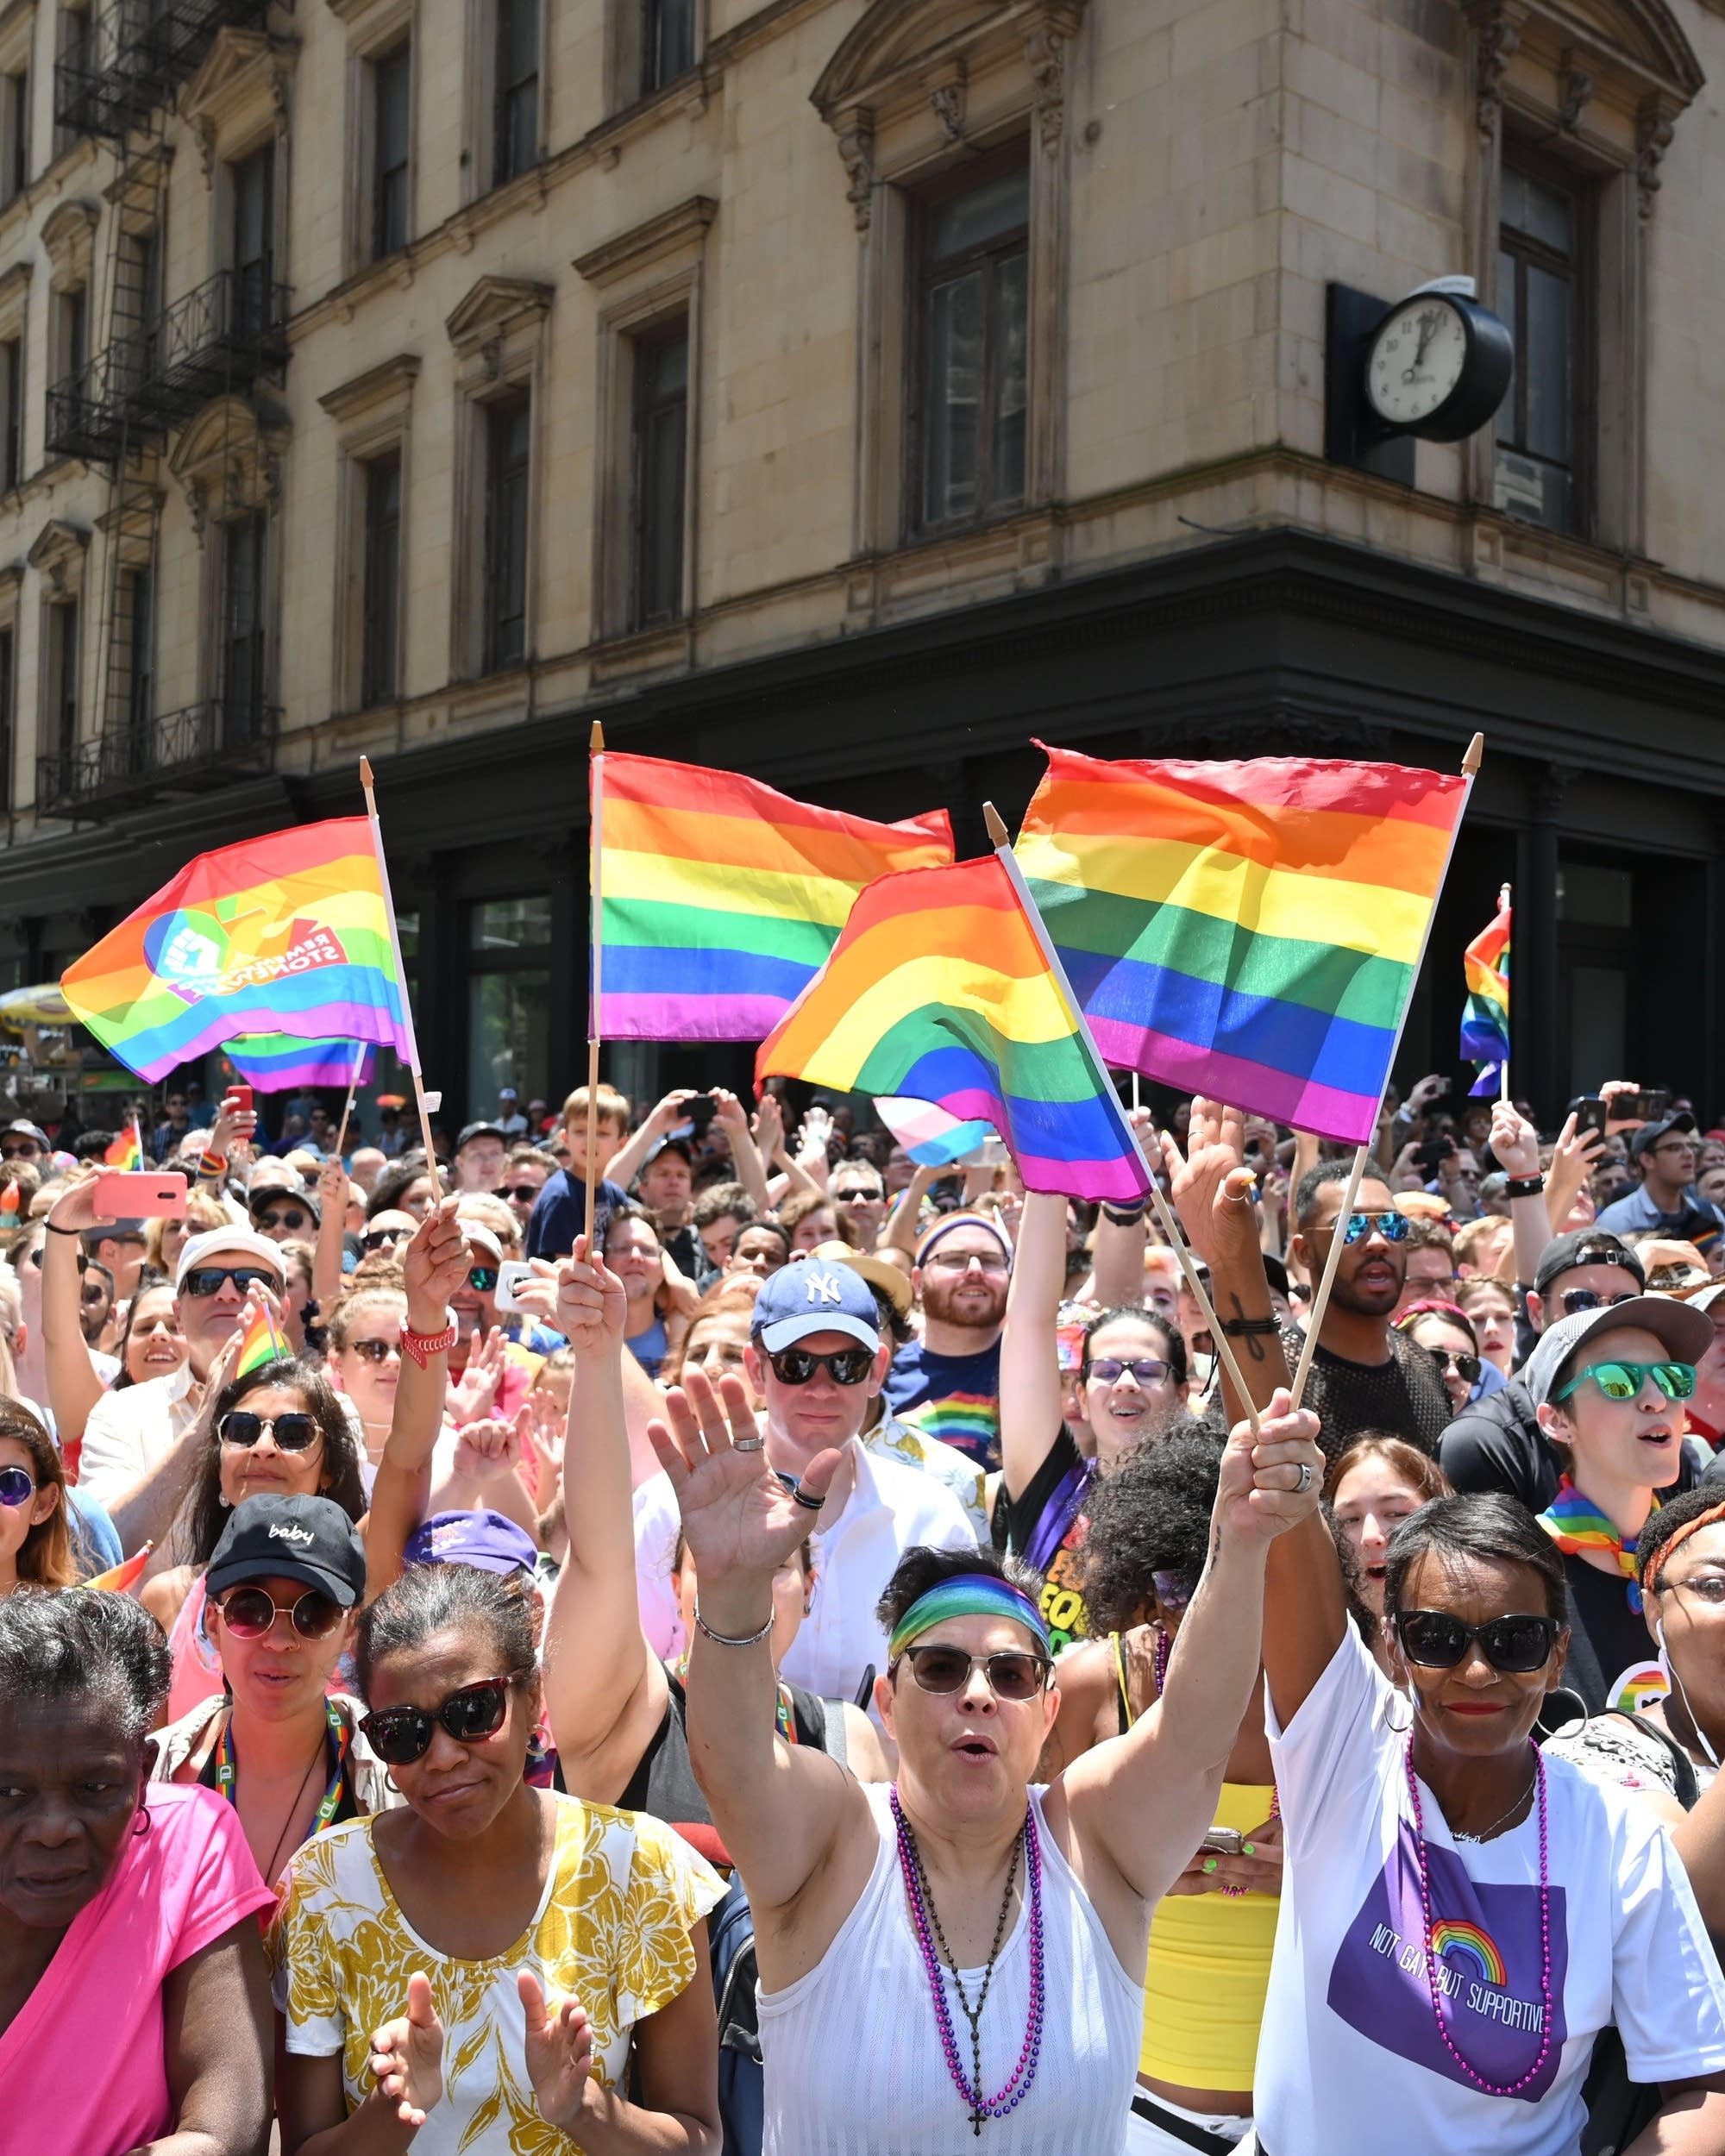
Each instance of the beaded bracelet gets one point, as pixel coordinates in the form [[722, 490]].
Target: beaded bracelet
[[723, 1640]]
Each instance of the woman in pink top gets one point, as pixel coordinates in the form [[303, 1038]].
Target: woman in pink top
[[134, 2007]]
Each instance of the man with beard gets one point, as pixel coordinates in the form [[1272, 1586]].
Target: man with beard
[[1365, 1376], [948, 1384]]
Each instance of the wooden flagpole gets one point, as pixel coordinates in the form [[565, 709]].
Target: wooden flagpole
[[1470, 764], [423, 1101], [1165, 1212], [596, 931]]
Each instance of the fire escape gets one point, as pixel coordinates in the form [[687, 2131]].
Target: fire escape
[[163, 363]]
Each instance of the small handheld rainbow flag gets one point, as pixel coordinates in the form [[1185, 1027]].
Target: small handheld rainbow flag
[[260, 1344], [121, 1578], [939, 988], [126, 1152], [1485, 1020], [717, 898]]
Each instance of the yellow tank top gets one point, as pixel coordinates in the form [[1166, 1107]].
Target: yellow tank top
[[1209, 1961]]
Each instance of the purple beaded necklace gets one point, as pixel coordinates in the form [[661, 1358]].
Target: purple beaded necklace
[[925, 1923], [1491, 2088]]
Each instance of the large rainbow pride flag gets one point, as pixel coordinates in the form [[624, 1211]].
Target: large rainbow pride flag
[[285, 934], [938, 990], [720, 898], [1248, 931]]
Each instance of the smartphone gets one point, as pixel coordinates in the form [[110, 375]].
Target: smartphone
[[510, 1274], [700, 1111], [155, 1194], [1432, 1154], [1589, 1110], [1650, 1106], [241, 1098], [1226, 1841]]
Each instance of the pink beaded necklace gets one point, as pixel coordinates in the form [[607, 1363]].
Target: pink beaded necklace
[[925, 1923], [1491, 2088]]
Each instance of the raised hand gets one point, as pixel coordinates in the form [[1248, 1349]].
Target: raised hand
[[540, 1428], [488, 1446], [333, 1188], [233, 1125], [1210, 1184], [559, 2051], [1514, 1142], [738, 1518], [768, 1126], [593, 1305], [1262, 1492], [476, 1394], [407, 2056], [75, 1206], [1574, 1157], [729, 1112], [435, 1263]]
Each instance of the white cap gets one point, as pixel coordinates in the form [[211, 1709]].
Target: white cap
[[478, 1235], [236, 1241]]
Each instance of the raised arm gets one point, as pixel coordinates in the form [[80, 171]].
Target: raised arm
[[73, 1386], [435, 1263], [750, 1169], [1117, 1274], [605, 1688], [780, 1807], [1030, 1365], [1146, 1800], [631, 1157], [332, 1209]]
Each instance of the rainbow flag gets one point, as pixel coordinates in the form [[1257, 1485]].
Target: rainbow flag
[[1486, 1019], [1248, 931], [285, 934], [277, 1062], [939, 988], [121, 1578], [126, 1152], [259, 1343], [719, 898]]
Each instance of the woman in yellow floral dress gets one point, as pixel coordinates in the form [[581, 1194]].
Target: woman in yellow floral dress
[[467, 1973]]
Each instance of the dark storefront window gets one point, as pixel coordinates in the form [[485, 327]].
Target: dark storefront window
[[509, 988]]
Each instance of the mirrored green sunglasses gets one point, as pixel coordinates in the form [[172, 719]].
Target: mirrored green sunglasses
[[1623, 1381]]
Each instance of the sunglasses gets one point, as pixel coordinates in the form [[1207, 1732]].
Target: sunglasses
[[522, 1193], [482, 1278], [292, 1220], [399, 1735], [374, 1351], [380, 1239], [19, 1152], [250, 1612], [1465, 1366], [18, 1486], [292, 1432], [206, 1280], [845, 1366], [1148, 1369], [36, 1256], [94, 1293], [1011, 1675], [1515, 1646], [1623, 1381], [1392, 1226], [1579, 1298]]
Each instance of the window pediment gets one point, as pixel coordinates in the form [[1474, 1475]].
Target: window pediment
[[241, 90], [57, 556], [228, 460], [68, 239], [901, 48], [494, 308]]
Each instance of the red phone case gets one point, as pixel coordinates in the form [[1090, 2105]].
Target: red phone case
[[153, 1193]]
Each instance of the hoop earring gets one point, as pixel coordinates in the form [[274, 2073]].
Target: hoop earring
[[390, 1783], [141, 1826], [1401, 1729]]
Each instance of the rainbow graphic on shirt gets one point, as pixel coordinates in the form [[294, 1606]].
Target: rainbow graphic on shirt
[[970, 1422], [1638, 1687], [1475, 1945]]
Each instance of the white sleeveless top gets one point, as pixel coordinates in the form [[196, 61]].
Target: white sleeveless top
[[854, 2063]]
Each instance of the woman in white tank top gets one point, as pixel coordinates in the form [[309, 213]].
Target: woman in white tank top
[[952, 1963]]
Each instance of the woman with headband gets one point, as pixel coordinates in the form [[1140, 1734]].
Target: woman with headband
[[979, 1943]]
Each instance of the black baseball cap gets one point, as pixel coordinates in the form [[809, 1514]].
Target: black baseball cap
[[306, 1539], [274, 1191], [1585, 1246], [471, 1130], [1649, 1136]]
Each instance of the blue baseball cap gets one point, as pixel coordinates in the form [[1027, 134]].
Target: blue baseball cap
[[489, 1539], [815, 1295]]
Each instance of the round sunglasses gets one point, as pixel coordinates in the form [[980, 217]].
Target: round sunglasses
[[1516, 1645], [845, 1366], [1011, 1675], [482, 1279], [292, 1432], [293, 1219], [250, 1612], [1624, 1380], [18, 1487], [399, 1735], [1575, 1300]]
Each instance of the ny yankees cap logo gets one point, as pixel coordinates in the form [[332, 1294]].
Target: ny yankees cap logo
[[824, 1287]]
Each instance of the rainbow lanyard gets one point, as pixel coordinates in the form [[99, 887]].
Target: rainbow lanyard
[[1575, 1523], [227, 1766]]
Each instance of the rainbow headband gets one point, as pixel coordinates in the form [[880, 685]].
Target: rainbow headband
[[968, 1594]]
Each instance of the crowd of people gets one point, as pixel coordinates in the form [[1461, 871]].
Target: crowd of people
[[836, 1654]]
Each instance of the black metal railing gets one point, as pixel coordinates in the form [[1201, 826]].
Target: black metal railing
[[135, 55], [93, 413], [203, 746]]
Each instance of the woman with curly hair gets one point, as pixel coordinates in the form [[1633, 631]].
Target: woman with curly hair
[[1210, 1940]]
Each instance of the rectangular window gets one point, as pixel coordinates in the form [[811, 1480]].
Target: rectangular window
[[972, 312], [508, 443], [661, 420], [15, 134], [1543, 295], [515, 117], [253, 241], [12, 422], [392, 134], [137, 303], [243, 630], [62, 682], [667, 43], [509, 992], [74, 331], [76, 51], [8, 711], [382, 596], [137, 624]]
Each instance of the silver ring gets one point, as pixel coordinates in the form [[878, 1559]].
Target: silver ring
[[1305, 1480], [754, 1445]]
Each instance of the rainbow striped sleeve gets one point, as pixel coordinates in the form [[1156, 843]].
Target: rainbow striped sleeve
[[938, 989], [1248, 931], [284, 934], [720, 898]]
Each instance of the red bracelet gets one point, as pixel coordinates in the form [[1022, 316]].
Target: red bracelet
[[423, 1345]]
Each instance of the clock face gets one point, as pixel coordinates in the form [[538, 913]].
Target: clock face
[[1415, 362]]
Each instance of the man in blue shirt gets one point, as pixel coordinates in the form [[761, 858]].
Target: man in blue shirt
[[1667, 1203]]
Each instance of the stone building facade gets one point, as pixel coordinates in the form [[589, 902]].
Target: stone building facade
[[851, 391]]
